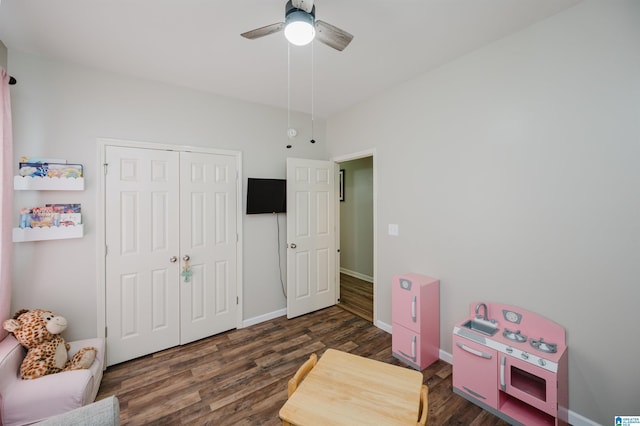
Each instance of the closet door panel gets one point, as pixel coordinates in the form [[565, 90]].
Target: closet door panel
[[209, 239], [141, 213]]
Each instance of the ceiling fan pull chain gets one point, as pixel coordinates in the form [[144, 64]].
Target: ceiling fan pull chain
[[288, 86], [290, 132], [312, 89]]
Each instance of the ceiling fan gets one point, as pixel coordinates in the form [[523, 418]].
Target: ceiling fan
[[300, 27]]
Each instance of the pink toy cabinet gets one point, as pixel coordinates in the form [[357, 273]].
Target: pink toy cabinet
[[415, 315]]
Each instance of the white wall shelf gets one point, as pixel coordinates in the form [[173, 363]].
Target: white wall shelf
[[47, 233], [45, 183]]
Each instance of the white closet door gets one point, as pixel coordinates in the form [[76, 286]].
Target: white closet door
[[141, 217], [208, 236]]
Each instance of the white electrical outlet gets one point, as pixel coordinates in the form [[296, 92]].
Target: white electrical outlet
[[394, 229]]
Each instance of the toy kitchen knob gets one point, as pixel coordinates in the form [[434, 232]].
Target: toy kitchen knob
[[542, 362], [525, 355]]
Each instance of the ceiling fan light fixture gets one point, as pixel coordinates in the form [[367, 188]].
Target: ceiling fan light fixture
[[299, 29]]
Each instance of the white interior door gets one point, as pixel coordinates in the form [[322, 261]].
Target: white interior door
[[208, 236], [142, 210], [311, 236]]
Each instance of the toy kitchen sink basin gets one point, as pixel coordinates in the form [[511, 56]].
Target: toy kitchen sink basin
[[481, 327]]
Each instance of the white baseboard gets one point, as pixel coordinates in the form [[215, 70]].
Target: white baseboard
[[576, 419], [384, 326], [446, 357], [356, 275], [265, 317]]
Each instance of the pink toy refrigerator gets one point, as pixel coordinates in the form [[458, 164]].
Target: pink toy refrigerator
[[415, 315]]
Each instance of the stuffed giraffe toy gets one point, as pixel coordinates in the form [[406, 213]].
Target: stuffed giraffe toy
[[39, 331]]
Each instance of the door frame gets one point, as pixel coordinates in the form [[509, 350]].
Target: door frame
[[100, 219], [356, 156]]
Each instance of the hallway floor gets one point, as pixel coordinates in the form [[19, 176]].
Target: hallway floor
[[356, 296]]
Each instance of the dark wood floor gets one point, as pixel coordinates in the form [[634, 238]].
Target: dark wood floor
[[356, 296], [239, 377]]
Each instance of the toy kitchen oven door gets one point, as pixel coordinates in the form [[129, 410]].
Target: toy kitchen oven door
[[523, 383]]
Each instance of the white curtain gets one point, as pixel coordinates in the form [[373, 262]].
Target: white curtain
[[6, 199]]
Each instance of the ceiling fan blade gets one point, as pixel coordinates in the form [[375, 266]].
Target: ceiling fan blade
[[332, 36], [263, 31]]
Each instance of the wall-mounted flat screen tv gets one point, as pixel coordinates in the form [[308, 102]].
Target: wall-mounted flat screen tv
[[266, 196]]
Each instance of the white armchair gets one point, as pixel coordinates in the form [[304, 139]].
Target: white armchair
[[24, 402]]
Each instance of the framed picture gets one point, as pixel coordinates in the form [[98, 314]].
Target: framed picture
[[341, 176]]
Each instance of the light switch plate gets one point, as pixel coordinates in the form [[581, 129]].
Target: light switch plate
[[394, 229]]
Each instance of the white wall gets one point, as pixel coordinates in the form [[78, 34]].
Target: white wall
[[3, 55], [356, 218], [59, 110], [516, 167]]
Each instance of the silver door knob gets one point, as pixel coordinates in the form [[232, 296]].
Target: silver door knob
[[173, 259], [293, 245], [186, 258]]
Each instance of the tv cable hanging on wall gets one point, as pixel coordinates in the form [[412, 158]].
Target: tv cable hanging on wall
[[284, 291]]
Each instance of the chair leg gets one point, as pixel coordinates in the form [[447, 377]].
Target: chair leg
[[424, 406]]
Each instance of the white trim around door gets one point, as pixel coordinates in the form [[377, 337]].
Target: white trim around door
[[356, 156]]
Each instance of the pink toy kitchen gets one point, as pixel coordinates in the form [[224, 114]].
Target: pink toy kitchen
[[513, 363]]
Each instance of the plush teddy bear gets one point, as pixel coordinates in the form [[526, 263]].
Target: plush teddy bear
[[47, 352]]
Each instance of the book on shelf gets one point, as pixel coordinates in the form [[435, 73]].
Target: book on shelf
[[59, 170], [51, 215]]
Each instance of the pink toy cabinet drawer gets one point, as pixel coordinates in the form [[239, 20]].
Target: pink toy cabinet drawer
[[415, 315]]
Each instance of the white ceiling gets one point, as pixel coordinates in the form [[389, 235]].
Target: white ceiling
[[197, 43]]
